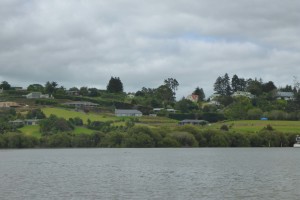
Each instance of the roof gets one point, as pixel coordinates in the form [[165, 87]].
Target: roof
[[127, 111], [285, 94], [192, 120], [8, 104], [82, 103]]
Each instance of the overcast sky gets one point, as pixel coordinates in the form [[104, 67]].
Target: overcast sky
[[85, 42]]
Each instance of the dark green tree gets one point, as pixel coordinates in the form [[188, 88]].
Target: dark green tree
[[50, 88], [35, 114], [222, 85], [172, 84], [5, 85], [268, 87], [115, 85], [35, 88]]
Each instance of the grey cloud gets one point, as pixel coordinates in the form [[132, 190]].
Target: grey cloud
[[80, 43]]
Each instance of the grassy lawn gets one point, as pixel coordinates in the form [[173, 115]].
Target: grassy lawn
[[81, 129], [250, 126], [64, 113], [31, 130]]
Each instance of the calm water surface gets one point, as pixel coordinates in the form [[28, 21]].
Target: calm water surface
[[204, 173]]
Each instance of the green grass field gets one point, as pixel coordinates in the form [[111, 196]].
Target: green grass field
[[31, 130], [35, 131], [64, 113], [250, 126]]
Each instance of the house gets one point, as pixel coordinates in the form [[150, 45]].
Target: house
[[171, 110], [128, 113], [285, 95], [17, 122], [80, 104], [193, 97], [72, 92], [243, 94], [37, 95], [192, 122], [29, 122], [130, 95], [9, 104]]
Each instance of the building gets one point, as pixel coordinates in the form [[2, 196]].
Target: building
[[81, 104], [192, 122], [243, 94], [9, 104], [128, 113], [170, 110], [37, 95], [29, 122], [285, 95], [193, 97]]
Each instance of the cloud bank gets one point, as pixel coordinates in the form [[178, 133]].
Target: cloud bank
[[84, 43]]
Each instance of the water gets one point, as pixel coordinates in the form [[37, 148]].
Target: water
[[200, 173]]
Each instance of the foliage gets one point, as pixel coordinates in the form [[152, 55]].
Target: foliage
[[185, 106], [54, 125], [5, 85], [35, 88], [115, 85], [35, 114]]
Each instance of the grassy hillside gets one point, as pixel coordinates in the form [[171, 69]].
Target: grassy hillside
[[64, 113], [35, 130], [250, 126]]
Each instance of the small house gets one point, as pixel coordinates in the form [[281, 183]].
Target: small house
[[128, 113], [285, 95], [193, 97], [193, 122], [37, 95], [9, 104], [80, 104]]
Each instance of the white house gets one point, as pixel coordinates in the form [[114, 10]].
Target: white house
[[285, 95], [193, 97], [244, 94], [128, 113], [37, 95]]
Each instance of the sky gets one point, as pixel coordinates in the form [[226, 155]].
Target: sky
[[86, 42]]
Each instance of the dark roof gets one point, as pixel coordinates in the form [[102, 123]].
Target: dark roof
[[123, 111], [285, 94], [81, 103]]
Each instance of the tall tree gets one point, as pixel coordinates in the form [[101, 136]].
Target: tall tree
[[268, 87], [115, 85], [222, 85], [5, 85], [172, 84], [50, 87]]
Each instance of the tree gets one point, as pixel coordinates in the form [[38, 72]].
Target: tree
[[165, 94], [5, 85], [268, 87], [35, 88], [50, 87], [115, 85], [35, 114], [222, 85], [199, 91], [238, 84], [172, 84], [84, 91], [185, 105]]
